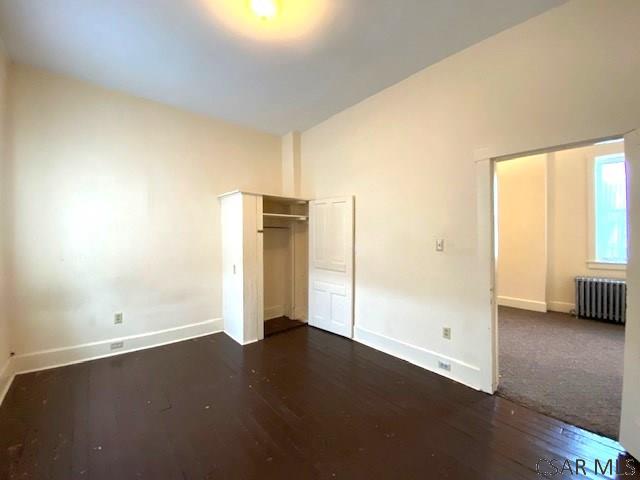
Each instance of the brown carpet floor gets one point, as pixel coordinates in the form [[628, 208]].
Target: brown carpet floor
[[562, 366]]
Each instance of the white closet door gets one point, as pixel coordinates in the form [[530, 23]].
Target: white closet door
[[331, 265], [630, 421]]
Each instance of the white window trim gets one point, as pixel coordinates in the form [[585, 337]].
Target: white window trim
[[595, 264]]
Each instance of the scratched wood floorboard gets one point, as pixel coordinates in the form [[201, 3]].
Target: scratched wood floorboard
[[301, 404]]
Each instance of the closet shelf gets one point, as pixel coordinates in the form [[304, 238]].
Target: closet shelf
[[285, 215]]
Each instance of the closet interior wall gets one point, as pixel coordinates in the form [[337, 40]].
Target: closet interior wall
[[285, 258]]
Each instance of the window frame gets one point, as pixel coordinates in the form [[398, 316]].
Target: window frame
[[593, 262]]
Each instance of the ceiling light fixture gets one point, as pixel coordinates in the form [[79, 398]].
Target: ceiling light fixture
[[264, 8], [275, 21]]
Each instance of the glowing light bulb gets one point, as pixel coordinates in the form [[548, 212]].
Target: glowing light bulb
[[264, 8]]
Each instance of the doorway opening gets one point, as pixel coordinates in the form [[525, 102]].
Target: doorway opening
[[560, 247], [285, 264]]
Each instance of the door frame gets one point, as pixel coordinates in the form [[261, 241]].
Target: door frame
[[630, 413], [485, 161]]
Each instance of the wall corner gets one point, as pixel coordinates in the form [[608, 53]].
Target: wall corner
[[291, 153]]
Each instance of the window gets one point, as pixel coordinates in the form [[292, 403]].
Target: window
[[610, 196]]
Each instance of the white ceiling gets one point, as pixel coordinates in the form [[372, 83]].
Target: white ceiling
[[182, 53]]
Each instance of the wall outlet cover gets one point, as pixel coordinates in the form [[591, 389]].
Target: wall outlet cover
[[118, 318], [446, 333]]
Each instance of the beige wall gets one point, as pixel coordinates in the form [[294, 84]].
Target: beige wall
[[277, 273], [408, 153], [521, 263], [4, 318], [291, 164], [570, 182], [114, 208]]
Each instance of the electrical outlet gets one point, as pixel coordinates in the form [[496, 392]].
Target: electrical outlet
[[444, 365], [440, 245], [446, 333], [118, 318], [117, 345]]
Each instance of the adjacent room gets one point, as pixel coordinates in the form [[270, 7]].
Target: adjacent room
[[268, 239], [561, 243]]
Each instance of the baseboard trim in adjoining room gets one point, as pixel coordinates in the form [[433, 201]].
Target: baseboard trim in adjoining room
[[562, 307], [522, 303], [60, 357], [461, 372]]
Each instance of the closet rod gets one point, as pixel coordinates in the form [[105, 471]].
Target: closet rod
[[279, 228]]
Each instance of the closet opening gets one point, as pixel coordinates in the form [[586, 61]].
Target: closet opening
[[285, 263]]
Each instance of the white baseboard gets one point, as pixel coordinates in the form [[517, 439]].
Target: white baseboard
[[301, 314], [274, 312], [522, 303], [59, 357], [238, 340], [460, 371], [282, 310], [6, 378], [563, 307]]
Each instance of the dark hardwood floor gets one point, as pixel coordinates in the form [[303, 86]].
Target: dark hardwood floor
[[302, 404], [281, 324]]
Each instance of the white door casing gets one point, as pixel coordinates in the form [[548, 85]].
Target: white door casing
[[331, 241], [487, 345], [232, 262], [630, 419]]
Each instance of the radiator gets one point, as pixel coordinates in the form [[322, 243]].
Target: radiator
[[601, 299]]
